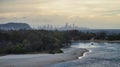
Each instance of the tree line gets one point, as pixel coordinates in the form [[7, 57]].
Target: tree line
[[30, 41]]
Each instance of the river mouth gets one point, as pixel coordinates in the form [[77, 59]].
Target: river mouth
[[103, 55]]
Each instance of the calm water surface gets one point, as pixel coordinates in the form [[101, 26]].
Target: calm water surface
[[102, 55]]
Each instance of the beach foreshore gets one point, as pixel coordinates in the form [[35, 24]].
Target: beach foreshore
[[40, 60], [112, 41]]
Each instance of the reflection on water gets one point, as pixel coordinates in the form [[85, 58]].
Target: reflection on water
[[102, 55]]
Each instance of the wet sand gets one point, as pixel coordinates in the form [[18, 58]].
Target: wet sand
[[39, 60]]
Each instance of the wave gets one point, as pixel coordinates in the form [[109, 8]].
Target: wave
[[84, 54]]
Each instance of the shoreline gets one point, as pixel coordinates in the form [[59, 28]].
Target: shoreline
[[112, 41], [40, 60]]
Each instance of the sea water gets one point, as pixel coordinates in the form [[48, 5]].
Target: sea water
[[102, 55]]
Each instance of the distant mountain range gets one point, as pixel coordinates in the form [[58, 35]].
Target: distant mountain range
[[14, 26]]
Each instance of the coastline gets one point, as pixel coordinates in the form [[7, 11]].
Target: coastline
[[39, 60], [112, 41]]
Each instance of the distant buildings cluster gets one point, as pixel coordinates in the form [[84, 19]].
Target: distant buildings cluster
[[65, 27], [46, 27]]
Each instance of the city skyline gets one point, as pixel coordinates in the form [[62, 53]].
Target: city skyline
[[67, 26]]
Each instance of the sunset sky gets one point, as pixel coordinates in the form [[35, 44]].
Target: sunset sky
[[98, 14]]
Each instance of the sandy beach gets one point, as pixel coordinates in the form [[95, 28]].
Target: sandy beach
[[40, 60]]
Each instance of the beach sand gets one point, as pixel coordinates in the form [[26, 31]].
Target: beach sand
[[39, 60]]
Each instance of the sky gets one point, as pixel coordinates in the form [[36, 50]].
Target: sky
[[95, 14]]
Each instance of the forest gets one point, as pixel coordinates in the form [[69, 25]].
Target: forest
[[45, 41]]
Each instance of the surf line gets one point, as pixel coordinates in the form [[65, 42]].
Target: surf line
[[84, 54]]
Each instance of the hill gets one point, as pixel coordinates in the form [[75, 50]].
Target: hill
[[14, 26]]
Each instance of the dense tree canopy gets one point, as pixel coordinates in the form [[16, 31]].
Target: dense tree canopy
[[25, 41]]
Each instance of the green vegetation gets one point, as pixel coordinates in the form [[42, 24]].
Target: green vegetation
[[25, 41], [36, 41]]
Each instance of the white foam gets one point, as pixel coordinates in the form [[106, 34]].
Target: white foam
[[85, 46], [84, 54]]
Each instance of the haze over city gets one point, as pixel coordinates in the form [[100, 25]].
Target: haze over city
[[96, 14]]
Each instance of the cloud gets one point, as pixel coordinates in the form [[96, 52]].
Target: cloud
[[100, 13], [111, 12], [65, 7]]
